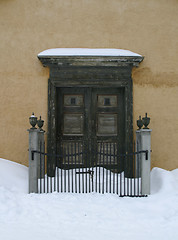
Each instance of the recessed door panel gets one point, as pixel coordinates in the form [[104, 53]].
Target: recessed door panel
[[73, 100], [73, 124], [107, 124], [107, 100]]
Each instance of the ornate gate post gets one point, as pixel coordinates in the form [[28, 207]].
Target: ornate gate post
[[33, 160], [41, 148], [143, 164], [36, 160]]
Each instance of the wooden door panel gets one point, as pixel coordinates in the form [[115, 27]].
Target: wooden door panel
[[107, 100], [73, 124], [107, 124], [108, 116], [73, 100]]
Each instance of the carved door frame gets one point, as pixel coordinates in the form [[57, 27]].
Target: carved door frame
[[96, 72]]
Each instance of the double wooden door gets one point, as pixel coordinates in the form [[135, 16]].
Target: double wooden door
[[90, 123]]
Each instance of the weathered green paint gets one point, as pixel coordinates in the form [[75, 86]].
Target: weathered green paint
[[96, 74]]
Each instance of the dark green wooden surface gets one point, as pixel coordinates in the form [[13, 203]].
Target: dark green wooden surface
[[90, 75]]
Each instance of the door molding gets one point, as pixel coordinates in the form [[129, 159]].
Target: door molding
[[89, 72]]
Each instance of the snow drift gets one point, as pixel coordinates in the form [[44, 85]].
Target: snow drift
[[70, 216], [14, 177]]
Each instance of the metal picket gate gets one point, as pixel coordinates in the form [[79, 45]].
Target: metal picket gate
[[110, 173]]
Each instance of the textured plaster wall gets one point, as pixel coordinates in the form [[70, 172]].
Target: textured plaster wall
[[145, 27]]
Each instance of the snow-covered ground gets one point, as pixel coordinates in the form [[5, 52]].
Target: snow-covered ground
[[93, 216]]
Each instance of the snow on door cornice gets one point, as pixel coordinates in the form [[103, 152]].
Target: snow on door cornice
[[88, 52]]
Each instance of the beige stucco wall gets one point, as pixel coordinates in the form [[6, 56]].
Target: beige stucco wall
[[145, 27]]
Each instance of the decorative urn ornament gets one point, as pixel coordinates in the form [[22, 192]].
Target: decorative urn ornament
[[40, 123], [139, 123], [33, 121], [146, 121]]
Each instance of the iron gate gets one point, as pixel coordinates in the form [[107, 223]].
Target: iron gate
[[111, 173]]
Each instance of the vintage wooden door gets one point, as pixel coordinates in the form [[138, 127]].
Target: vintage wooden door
[[89, 120]]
